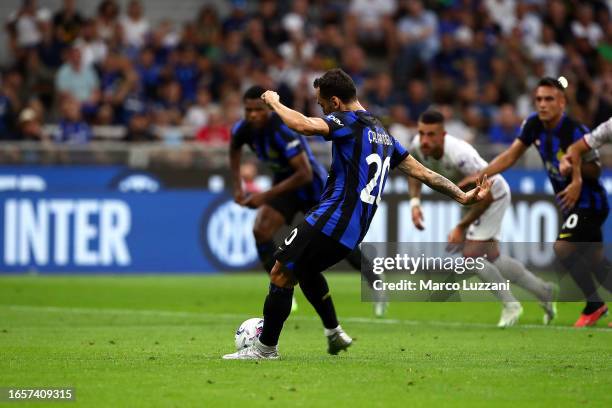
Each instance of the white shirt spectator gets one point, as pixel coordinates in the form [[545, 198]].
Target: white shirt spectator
[[371, 12], [80, 84], [592, 32], [423, 28], [92, 52], [503, 13], [26, 27], [134, 31], [551, 55]]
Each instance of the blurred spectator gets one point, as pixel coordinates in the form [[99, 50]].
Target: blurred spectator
[[585, 27], [139, 129], [49, 48], [30, 126], [528, 22], [559, 21], [76, 79], [274, 32], [454, 125], [417, 33], [39, 82], [503, 13], [506, 126], [382, 96], [416, 100], [72, 129], [186, 73], [67, 22], [93, 49], [170, 102], [355, 64], [548, 52], [296, 21], [197, 114], [370, 24], [400, 125], [23, 26], [216, 132], [134, 26], [10, 103], [237, 18], [208, 29], [107, 23]]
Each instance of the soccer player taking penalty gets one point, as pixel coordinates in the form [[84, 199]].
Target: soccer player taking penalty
[[363, 154], [298, 178]]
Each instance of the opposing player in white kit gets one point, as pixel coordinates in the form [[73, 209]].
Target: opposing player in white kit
[[600, 136], [480, 228]]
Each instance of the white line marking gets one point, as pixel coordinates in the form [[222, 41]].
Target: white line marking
[[232, 316]]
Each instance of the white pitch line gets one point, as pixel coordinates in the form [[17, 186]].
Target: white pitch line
[[231, 316]]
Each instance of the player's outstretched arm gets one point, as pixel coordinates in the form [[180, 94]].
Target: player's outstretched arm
[[498, 164], [294, 119], [411, 167], [415, 203]]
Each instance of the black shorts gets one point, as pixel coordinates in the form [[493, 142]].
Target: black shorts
[[583, 225], [289, 204], [308, 250]]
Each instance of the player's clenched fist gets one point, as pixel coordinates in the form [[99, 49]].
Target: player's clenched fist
[[270, 97]]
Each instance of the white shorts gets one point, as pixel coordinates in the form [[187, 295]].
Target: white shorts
[[488, 226]]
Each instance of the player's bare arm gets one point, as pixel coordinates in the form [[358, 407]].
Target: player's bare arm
[[294, 119], [415, 203], [235, 155], [411, 167], [457, 235], [502, 162], [301, 176]]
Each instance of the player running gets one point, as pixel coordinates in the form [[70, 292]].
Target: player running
[[581, 197], [363, 154], [298, 178], [480, 228]]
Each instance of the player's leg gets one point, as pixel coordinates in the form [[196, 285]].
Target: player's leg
[[512, 308], [516, 273], [321, 253], [267, 222], [277, 308], [580, 230], [363, 264]]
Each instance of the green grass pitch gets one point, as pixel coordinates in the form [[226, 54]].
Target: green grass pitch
[[156, 341]]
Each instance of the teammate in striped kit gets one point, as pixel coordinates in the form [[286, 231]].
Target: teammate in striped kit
[[581, 197], [363, 154]]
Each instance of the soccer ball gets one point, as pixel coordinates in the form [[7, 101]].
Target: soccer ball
[[248, 332]]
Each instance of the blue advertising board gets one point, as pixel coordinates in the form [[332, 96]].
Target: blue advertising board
[[187, 231]]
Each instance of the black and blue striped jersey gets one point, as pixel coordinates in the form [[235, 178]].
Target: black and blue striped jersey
[[552, 145], [276, 144], [362, 155]]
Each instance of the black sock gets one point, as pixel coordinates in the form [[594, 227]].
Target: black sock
[[603, 273], [276, 310], [317, 292], [265, 250], [584, 281]]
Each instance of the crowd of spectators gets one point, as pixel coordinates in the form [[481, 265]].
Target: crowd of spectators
[[476, 60]]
